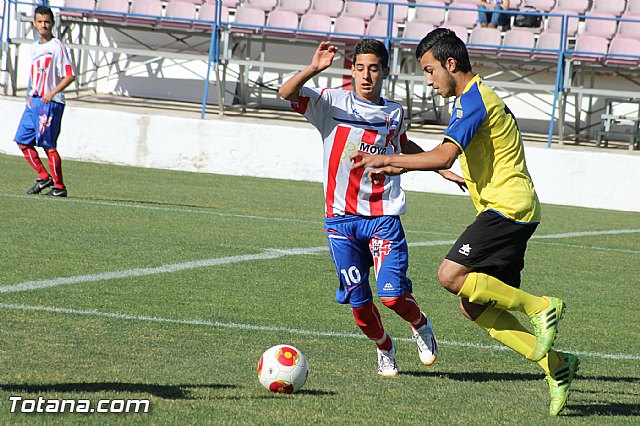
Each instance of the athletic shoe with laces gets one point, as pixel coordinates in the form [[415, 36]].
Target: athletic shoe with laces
[[426, 341], [40, 185], [57, 192], [545, 327], [387, 362], [560, 382]]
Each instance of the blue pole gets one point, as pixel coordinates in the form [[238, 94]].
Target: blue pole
[[559, 76], [389, 26], [213, 56]]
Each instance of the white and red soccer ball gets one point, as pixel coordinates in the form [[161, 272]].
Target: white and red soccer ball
[[283, 369]]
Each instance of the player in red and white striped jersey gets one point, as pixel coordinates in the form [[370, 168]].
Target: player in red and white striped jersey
[[362, 223], [51, 73]]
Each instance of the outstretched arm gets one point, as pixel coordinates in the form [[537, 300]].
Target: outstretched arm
[[410, 147], [440, 158], [322, 60]]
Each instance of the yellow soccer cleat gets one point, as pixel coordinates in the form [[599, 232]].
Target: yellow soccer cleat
[[560, 382], [545, 327]]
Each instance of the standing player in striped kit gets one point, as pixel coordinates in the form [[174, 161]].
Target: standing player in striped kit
[[51, 73], [362, 218]]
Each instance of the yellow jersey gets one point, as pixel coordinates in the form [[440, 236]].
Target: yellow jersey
[[492, 159]]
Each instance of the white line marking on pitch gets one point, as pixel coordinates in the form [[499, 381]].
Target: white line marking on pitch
[[237, 326], [165, 209], [267, 254], [174, 267]]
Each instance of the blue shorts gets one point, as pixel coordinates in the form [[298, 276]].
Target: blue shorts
[[356, 244], [40, 124]]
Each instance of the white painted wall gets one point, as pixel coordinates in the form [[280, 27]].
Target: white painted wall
[[578, 177]]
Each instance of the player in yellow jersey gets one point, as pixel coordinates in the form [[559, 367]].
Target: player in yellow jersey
[[483, 267]]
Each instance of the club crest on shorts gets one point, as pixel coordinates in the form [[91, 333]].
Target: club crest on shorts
[[379, 249]]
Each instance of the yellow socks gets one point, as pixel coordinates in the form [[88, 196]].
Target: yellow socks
[[506, 329], [484, 289]]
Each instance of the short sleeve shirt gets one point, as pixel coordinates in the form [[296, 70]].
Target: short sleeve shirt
[[492, 160], [50, 63], [349, 125]]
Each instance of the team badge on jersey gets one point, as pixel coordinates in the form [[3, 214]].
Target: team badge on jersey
[[379, 249]]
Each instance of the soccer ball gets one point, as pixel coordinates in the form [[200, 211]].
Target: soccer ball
[[283, 369]]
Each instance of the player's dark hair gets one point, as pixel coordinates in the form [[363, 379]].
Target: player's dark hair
[[444, 44], [44, 10], [374, 47]]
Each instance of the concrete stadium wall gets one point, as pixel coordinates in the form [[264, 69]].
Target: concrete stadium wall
[[248, 147]]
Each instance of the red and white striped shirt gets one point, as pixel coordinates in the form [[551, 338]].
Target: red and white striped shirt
[[349, 125], [50, 63]]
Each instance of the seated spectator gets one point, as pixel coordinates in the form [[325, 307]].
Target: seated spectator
[[486, 17]]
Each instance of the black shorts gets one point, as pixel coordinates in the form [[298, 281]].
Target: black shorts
[[495, 246]]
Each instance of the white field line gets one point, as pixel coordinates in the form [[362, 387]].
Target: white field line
[[203, 210], [251, 327], [168, 268], [267, 254]]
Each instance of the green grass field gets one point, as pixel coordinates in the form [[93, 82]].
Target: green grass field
[[169, 285]]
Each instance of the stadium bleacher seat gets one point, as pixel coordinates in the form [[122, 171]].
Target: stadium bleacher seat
[[547, 46], [332, 8], [348, 28], [266, 5], [400, 11], [248, 19], [629, 26], [590, 48], [378, 28], [89, 5], [207, 13], [633, 7], [145, 12], [554, 22], [112, 10], [359, 9], [466, 17], [227, 3], [577, 7], [627, 47], [600, 27], [518, 44], [185, 11], [484, 40], [612, 7], [314, 25], [298, 6], [414, 31], [282, 23], [541, 5], [434, 16]]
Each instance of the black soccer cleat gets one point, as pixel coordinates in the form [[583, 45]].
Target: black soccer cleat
[[40, 185], [57, 192]]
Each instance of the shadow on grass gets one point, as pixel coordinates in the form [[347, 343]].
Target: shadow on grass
[[606, 409], [477, 377], [148, 202], [272, 395], [573, 410], [160, 391]]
